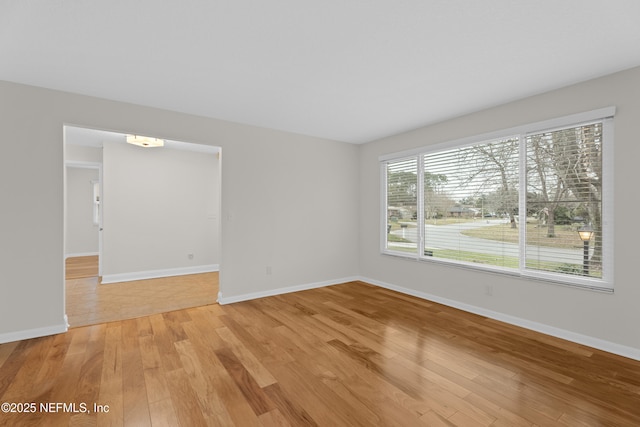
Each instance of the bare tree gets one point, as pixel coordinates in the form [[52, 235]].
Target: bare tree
[[495, 168], [436, 200], [564, 167], [543, 178], [579, 166], [402, 188]]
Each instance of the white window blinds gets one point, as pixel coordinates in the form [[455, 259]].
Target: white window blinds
[[564, 194], [513, 203], [471, 203], [402, 204]]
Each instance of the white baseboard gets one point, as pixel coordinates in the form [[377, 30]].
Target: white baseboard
[[272, 292], [621, 350], [79, 254], [154, 274], [34, 333]]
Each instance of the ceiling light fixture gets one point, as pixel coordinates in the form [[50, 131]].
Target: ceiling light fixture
[[145, 141]]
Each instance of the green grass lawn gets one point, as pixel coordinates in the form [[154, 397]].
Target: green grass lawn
[[396, 238], [506, 262], [566, 235], [396, 225], [449, 221]]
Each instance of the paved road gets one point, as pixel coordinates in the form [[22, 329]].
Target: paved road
[[451, 237]]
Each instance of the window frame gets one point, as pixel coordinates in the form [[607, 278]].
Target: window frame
[[603, 115]]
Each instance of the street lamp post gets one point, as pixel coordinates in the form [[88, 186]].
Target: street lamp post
[[585, 233]]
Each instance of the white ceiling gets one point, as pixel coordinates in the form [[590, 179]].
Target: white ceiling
[[350, 70]]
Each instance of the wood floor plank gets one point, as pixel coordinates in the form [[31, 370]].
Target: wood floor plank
[[462, 419], [290, 409], [252, 392], [169, 358], [369, 385], [88, 390], [224, 397], [273, 418], [211, 405], [209, 313], [6, 350], [315, 356], [16, 376], [368, 414], [435, 420], [351, 354], [155, 381], [501, 414], [44, 383], [358, 379], [81, 267], [154, 374], [255, 339], [144, 326], [432, 377], [111, 387], [355, 333], [185, 399], [295, 383], [289, 315], [162, 414], [65, 388], [261, 375], [135, 408]]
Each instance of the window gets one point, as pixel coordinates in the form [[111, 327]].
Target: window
[[402, 204], [511, 202]]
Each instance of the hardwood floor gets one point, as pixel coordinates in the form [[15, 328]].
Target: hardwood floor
[[351, 354], [89, 303], [81, 266]]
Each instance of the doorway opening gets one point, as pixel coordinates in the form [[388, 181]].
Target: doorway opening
[[155, 212]]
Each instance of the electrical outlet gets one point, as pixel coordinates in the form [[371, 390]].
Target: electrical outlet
[[268, 270], [190, 256], [488, 290]]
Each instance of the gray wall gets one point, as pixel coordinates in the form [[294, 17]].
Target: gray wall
[[160, 205], [81, 232], [289, 201], [612, 318], [82, 154]]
